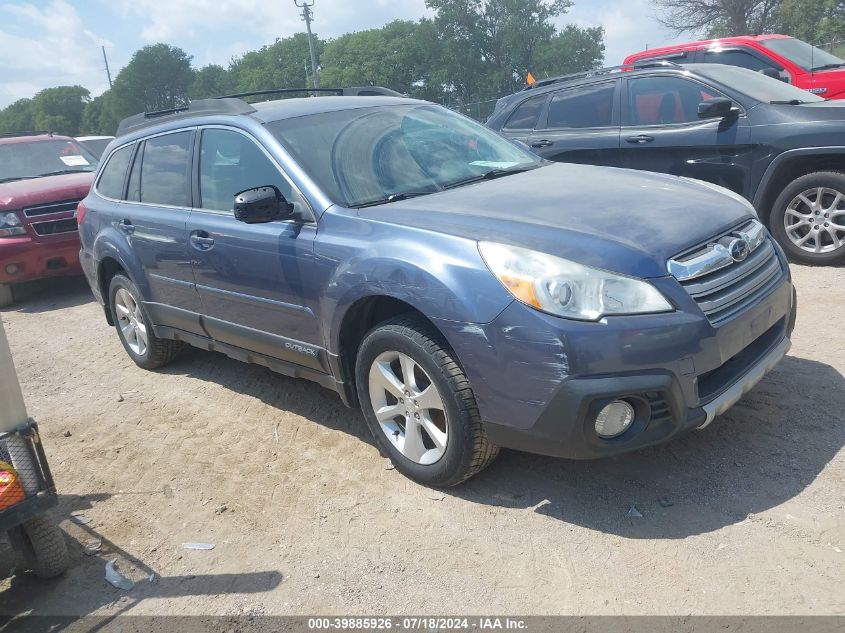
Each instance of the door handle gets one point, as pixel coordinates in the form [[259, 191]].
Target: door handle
[[201, 241], [126, 226], [542, 143], [640, 139]]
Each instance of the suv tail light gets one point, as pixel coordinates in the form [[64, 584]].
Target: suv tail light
[[79, 214]]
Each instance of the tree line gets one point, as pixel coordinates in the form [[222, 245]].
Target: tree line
[[469, 51], [814, 21]]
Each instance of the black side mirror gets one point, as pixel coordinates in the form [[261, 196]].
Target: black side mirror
[[261, 204], [718, 108]]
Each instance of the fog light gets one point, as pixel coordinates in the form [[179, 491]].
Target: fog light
[[614, 419], [12, 269]]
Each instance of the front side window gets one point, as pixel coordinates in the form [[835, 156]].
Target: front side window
[[526, 114], [369, 154], [586, 107], [739, 58], [39, 158], [665, 100], [113, 177], [230, 163], [164, 170]]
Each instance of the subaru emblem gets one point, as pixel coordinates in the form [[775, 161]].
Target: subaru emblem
[[739, 249]]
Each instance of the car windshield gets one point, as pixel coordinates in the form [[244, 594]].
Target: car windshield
[[805, 55], [34, 159], [380, 154], [756, 85]]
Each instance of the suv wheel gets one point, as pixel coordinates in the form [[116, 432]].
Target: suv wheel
[[419, 405], [808, 219], [132, 325]]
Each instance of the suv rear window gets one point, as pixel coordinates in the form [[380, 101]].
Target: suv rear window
[[164, 169], [111, 180]]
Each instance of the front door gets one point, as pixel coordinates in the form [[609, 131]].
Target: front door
[[662, 132], [252, 278]]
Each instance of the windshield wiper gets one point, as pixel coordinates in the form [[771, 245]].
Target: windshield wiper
[[789, 102], [489, 175], [394, 197], [14, 178], [828, 66], [63, 171]]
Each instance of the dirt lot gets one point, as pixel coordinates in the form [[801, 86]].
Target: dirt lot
[[314, 521]]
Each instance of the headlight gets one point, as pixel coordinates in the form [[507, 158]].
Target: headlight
[[728, 192], [10, 224], [569, 289]]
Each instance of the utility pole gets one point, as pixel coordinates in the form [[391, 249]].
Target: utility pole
[[106, 60], [307, 16]]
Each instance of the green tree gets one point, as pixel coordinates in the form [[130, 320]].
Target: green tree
[[816, 21], [279, 65], [156, 78], [401, 55], [99, 117], [717, 18], [572, 50], [60, 109], [211, 81], [17, 117]]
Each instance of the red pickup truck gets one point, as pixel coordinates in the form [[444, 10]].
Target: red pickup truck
[[43, 176], [781, 56]]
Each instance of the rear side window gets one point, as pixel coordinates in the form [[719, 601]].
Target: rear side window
[[742, 59], [113, 177], [526, 114], [587, 107], [164, 170]]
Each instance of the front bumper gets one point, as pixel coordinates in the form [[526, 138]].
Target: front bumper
[[540, 381], [32, 259]]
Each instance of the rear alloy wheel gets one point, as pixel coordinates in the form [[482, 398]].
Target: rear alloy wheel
[[133, 327], [419, 405], [809, 219]]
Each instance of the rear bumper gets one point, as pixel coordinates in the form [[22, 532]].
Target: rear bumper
[[38, 259]]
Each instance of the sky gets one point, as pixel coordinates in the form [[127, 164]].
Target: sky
[[45, 43]]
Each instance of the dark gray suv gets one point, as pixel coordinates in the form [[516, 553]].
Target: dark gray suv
[[465, 293]]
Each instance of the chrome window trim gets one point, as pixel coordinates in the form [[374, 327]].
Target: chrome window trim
[[251, 137], [717, 255]]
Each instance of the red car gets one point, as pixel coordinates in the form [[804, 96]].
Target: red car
[[43, 177], [781, 56]]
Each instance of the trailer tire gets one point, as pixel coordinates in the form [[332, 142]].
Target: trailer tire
[[42, 545]]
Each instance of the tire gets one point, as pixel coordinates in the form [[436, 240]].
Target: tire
[[42, 547], [442, 445], [821, 227], [133, 326], [7, 297]]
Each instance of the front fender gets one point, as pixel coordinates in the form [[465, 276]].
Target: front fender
[[441, 276]]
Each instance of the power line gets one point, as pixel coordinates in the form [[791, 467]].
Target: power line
[[307, 16]]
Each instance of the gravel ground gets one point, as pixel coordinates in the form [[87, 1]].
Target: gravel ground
[[306, 517]]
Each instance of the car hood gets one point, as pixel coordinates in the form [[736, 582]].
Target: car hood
[[22, 193], [621, 220]]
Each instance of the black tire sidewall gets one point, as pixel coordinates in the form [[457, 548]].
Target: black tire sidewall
[[118, 282], [449, 469], [831, 180]]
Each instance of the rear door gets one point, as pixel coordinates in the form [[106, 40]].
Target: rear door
[[252, 278], [580, 125], [661, 131], [154, 219]]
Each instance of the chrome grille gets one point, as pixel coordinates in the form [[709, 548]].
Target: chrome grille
[[722, 286], [46, 209]]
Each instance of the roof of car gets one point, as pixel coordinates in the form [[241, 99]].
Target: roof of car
[[30, 137], [267, 111], [700, 44]]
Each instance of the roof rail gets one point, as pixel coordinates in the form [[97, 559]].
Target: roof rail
[[222, 105], [347, 92], [26, 133], [602, 71]]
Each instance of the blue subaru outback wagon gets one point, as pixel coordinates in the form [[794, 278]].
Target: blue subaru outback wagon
[[466, 294]]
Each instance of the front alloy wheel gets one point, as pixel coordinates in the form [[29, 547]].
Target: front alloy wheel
[[815, 220], [408, 407]]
